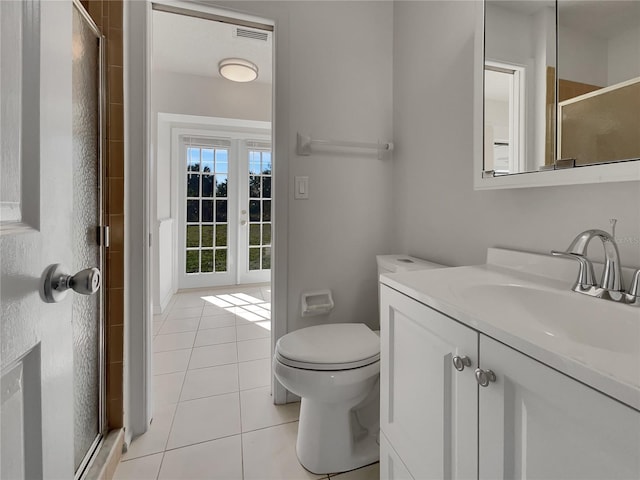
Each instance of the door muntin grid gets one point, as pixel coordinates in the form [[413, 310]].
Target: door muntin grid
[[260, 227], [207, 210]]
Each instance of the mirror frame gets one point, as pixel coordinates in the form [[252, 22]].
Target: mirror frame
[[614, 172]]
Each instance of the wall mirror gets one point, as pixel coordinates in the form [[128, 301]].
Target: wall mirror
[[559, 88]]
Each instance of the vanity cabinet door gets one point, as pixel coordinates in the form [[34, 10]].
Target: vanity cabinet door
[[537, 423], [428, 409], [391, 467]]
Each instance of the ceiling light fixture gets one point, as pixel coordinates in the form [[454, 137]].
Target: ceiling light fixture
[[238, 70]]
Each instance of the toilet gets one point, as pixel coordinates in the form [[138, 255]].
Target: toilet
[[335, 370]]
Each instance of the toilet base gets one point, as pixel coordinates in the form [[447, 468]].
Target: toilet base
[[331, 439]]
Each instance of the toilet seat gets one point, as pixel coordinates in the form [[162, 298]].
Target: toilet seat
[[339, 346]]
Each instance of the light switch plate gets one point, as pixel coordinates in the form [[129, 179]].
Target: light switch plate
[[301, 188]]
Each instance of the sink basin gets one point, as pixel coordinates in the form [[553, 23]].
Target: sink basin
[[563, 315], [524, 300]]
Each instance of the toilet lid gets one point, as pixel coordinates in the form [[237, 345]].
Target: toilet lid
[[337, 346]]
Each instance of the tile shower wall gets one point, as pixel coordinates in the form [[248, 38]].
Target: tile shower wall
[[108, 16]]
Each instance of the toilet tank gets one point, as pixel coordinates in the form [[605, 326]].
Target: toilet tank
[[403, 263]]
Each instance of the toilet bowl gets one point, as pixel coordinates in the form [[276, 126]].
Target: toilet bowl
[[335, 370]]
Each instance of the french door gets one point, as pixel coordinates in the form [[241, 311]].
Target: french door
[[224, 227]]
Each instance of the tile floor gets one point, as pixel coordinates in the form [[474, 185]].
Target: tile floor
[[214, 417]]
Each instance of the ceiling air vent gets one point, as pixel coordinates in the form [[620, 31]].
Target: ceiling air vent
[[254, 34]]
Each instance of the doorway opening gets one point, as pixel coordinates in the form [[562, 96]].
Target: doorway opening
[[211, 202]]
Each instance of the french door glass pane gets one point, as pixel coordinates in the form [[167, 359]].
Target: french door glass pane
[[221, 235], [193, 236], [221, 260], [193, 259], [207, 186], [206, 261], [207, 236], [254, 234], [207, 211], [193, 185]]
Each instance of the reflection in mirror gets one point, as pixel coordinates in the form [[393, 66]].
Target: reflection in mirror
[[598, 81], [519, 82]]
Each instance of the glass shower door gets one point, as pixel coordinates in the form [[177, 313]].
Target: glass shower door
[[87, 323]]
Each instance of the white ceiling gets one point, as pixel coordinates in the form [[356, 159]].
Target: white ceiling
[[194, 46]]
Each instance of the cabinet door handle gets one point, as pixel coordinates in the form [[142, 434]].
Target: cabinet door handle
[[485, 377], [459, 362]]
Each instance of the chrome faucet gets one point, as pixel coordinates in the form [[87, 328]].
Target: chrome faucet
[[611, 285]]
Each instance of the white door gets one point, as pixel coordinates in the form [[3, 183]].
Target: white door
[[254, 235], [536, 423], [428, 409], [36, 360], [224, 233]]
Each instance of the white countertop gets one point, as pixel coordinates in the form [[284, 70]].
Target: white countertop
[[592, 340]]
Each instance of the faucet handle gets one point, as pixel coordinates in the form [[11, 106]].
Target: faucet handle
[[634, 289], [586, 276]]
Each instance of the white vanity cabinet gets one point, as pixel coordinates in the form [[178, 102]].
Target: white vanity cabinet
[[535, 422], [391, 466], [530, 422], [428, 409]]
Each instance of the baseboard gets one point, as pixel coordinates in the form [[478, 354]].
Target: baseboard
[[164, 303], [106, 460]]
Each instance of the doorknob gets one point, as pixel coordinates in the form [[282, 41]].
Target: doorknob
[[243, 222], [56, 283]]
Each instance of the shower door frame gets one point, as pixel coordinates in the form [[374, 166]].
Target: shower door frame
[[83, 467]]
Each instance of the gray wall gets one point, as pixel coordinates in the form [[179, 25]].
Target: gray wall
[[437, 213], [333, 80]]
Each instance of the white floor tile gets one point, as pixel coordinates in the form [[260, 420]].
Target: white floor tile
[[186, 301], [170, 362], [155, 439], [254, 349], [254, 374], [253, 330], [144, 468], [206, 382], [217, 460], [186, 312], [250, 296], [214, 336], [270, 453], [156, 327], [167, 388], [173, 341], [217, 321], [213, 355], [205, 419], [371, 472], [211, 309], [258, 411], [181, 325]]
